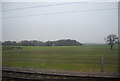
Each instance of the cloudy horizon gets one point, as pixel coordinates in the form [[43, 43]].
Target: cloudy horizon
[[87, 22]]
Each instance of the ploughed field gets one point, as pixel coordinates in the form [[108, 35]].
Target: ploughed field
[[65, 58]]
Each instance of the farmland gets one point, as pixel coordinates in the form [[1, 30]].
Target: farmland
[[66, 58]]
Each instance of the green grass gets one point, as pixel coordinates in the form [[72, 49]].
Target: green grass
[[70, 58]]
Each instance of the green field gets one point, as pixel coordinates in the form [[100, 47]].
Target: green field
[[69, 58]]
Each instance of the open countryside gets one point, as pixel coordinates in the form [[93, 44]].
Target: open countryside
[[68, 58], [60, 40]]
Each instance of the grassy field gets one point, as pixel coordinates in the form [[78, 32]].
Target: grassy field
[[69, 58]]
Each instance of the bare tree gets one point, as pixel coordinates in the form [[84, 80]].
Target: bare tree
[[111, 40]]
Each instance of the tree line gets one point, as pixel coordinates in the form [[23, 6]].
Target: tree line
[[63, 42]]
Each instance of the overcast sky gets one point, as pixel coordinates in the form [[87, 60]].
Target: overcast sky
[[85, 22]]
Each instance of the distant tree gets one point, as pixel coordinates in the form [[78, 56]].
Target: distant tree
[[11, 43], [67, 42], [118, 41], [49, 43], [111, 40]]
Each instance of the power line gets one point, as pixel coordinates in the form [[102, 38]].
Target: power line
[[58, 4], [53, 13]]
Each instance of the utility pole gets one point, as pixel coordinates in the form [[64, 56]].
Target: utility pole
[[102, 64]]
